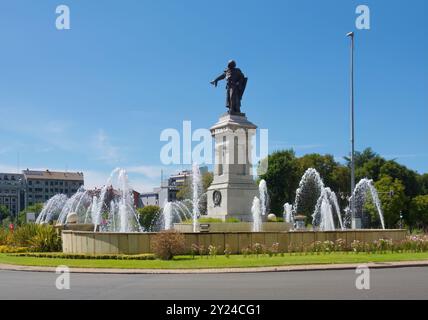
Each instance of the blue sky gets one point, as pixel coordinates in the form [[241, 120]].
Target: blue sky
[[98, 96]]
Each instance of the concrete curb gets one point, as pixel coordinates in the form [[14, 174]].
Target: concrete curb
[[296, 268]]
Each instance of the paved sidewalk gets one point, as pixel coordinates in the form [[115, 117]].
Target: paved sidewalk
[[320, 267]]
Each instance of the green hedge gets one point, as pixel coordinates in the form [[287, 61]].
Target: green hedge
[[60, 255]]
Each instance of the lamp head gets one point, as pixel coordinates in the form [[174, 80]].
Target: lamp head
[[350, 34]]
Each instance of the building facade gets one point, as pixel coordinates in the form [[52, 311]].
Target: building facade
[[12, 192], [43, 185], [169, 188]]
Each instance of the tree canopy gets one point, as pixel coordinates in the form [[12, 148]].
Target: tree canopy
[[285, 170]]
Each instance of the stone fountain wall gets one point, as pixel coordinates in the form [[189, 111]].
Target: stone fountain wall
[[93, 243]]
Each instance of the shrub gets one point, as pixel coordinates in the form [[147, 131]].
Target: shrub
[[340, 245], [328, 246], [59, 255], [46, 239], [147, 216], [201, 250], [357, 246], [194, 249], [10, 249], [273, 250], [227, 251], [4, 236], [246, 252], [212, 251], [21, 236], [167, 244], [258, 249], [209, 220]]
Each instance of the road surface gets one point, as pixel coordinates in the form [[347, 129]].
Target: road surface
[[398, 283]]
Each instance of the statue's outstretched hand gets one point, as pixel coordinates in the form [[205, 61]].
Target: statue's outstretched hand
[[214, 83]]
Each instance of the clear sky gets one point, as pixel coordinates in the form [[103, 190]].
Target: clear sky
[[98, 96]]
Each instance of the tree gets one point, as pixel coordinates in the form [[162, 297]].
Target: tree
[[407, 176], [35, 208], [147, 216], [419, 212], [371, 169], [423, 183], [392, 202], [324, 164], [185, 191], [361, 158], [4, 212], [282, 177]]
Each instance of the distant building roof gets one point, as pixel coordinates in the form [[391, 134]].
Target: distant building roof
[[53, 175]]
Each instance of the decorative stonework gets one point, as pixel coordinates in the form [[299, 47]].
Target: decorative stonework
[[233, 188]]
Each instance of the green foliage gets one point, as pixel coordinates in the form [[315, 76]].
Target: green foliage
[[419, 212], [185, 191], [423, 183], [4, 212], [12, 249], [147, 216], [167, 244], [60, 255], [209, 220], [392, 203], [282, 177], [4, 236], [38, 238], [21, 236], [285, 171], [400, 172], [35, 208], [46, 239]]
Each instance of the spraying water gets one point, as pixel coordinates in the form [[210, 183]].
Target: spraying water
[[264, 197], [52, 208], [288, 213], [364, 188], [197, 190], [115, 199], [167, 214], [327, 204], [257, 216]]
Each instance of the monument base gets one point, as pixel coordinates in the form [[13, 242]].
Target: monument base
[[233, 188]]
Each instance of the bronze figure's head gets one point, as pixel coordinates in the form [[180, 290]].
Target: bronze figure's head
[[231, 64]]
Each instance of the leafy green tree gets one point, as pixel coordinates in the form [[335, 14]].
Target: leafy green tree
[[35, 208], [362, 157], [4, 213], [185, 191], [423, 183], [419, 212], [282, 178], [324, 164], [407, 176], [371, 169], [393, 199], [147, 216]]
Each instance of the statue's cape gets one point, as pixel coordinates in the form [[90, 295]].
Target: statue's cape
[[243, 86]]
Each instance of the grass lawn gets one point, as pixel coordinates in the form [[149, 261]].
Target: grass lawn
[[235, 261]]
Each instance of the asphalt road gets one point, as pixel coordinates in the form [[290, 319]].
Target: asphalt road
[[401, 283]]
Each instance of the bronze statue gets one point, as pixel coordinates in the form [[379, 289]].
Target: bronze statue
[[236, 83]]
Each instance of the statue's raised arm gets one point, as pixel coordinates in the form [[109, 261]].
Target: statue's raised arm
[[236, 83]]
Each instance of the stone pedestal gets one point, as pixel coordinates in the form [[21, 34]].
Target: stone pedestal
[[233, 189]]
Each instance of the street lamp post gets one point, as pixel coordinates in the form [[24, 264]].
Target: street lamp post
[[355, 224]]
